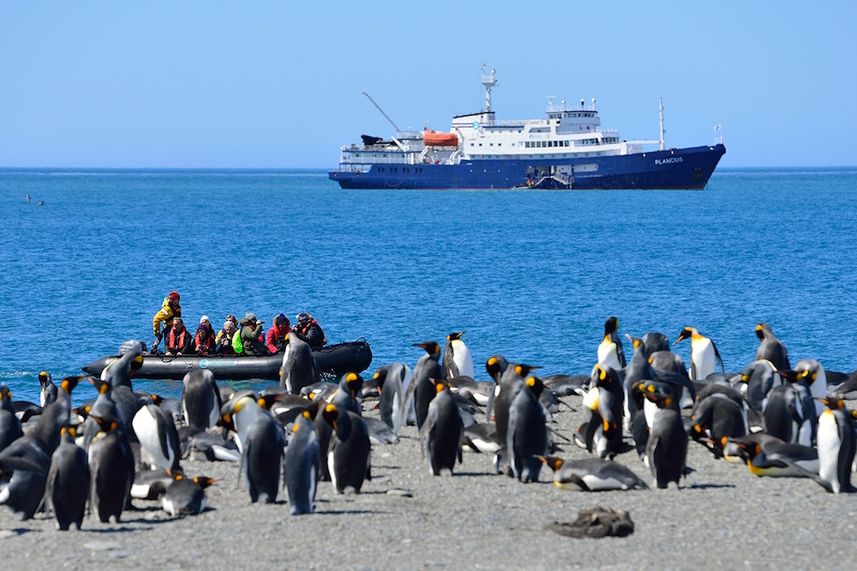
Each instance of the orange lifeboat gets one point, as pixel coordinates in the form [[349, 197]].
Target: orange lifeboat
[[435, 139]]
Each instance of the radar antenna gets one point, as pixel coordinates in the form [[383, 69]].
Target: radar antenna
[[488, 81], [378, 107]]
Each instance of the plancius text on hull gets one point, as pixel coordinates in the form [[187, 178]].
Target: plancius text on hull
[[566, 149]]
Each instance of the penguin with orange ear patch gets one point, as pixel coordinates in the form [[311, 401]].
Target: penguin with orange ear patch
[[186, 496], [442, 433], [666, 449], [592, 475], [422, 386], [68, 481], [602, 434], [527, 437], [348, 455], [111, 465], [302, 462]]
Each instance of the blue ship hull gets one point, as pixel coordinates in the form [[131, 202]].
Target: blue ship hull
[[688, 168]]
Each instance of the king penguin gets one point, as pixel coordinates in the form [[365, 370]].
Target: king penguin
[[666, 449], [703, 354], [527, 438], [790, 412], [836, 446], [593, 475], [771, 349], [757, 380], [349, 455], [262, 442], [200, 399], [394, 380], [68, 481], [422, 385], [10, 426], [811, 373], [119, 372], [610, 353], [299, 368], [47, 389], [302, 463], [603, 432], [457, 360], [158, 436], [111, 465], [186, 496], [442, 432]]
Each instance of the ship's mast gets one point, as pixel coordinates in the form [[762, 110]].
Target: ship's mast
[[662, 139], [378, 107], [488, 81]]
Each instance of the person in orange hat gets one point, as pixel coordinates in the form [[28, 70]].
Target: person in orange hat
[[170, 309]]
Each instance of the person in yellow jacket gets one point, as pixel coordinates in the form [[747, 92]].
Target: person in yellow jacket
[[170, 309]]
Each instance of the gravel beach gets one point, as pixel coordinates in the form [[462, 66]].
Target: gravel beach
[[723, 517]]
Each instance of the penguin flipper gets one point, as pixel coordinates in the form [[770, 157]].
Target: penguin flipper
[[718, 357]]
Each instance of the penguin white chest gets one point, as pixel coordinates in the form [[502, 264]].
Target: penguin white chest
[[702, 358], [608, 354], [462, 358], [828, 449], [146, 427]]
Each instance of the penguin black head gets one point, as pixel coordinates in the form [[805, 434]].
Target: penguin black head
[[44, 378], [760, 331], [136, 362], [601, 376], [68, 432], [440, 385], [636, 343], [380, 377], [660, 393], [611, 326], [807, 371], [330, 415], [354, 382], [686, 333], [266, 400], [67, 384], [522, 369], [431, 347], [106, 424], [227, 422], [833, 403], [310, 412], [203, 481], [103, 387], [495, 365], [156, 399], [535, 385], [455, 335], [5, 393], [552, 462]]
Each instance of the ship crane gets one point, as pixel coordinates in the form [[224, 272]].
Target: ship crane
[[387, 117]]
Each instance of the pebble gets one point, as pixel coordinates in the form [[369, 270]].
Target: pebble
[[400, 492]]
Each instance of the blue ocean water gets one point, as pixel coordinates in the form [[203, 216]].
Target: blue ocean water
[[529, 274]]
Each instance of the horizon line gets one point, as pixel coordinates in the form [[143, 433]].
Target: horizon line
[[327, 169]]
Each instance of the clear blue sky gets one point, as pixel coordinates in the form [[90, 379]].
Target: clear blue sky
[[277, 84]]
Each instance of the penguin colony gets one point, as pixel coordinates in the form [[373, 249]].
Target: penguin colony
[[99, 459]]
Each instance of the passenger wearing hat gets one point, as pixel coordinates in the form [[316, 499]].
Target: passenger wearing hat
[[203, 339], [310, 331], [170, 309], [275, 340], [223, 341], [251, 335], [179, 340]]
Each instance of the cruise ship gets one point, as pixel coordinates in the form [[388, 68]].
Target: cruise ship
[[567, 149]]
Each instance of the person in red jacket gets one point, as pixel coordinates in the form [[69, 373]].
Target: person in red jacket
[[203, 340], [275, 340], [179, 339]]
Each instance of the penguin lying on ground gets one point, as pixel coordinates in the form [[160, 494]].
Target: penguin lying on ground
[[592, 475]]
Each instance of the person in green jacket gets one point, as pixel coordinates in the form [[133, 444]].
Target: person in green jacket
[[251, 335]]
